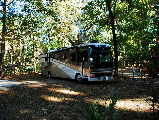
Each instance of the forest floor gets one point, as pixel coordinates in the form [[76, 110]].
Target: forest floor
[[42, 98]]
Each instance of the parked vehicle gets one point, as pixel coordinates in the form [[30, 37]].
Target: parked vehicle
[[83, 62]]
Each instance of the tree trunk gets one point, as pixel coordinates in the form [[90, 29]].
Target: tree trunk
[[112, 19], [3, 40]]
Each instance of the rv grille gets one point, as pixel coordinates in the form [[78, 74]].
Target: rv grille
[[102, 74]]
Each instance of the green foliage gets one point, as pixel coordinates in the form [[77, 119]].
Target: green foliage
[[96, 111], [44, 25], [114, 96], [133, 20], [94, 19], [37, 27]]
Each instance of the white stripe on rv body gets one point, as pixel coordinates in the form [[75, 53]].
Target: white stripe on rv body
[[66, 68]]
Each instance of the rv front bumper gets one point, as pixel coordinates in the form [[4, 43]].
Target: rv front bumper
[[101, 78]]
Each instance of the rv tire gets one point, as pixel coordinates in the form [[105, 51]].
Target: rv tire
[[79, 78], [76, 76]]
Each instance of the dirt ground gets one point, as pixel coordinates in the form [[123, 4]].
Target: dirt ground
[[42, 98]]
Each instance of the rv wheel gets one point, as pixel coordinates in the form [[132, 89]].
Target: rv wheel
[[79, 78], [49, 74]]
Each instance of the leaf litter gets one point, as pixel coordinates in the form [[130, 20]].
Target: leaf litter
[[53, 98]]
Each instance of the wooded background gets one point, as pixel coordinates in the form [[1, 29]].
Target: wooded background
[[29, 28]]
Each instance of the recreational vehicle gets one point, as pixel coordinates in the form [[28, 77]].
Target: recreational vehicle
[[83, 62]]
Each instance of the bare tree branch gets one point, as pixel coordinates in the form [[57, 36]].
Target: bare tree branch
[[10, 3]]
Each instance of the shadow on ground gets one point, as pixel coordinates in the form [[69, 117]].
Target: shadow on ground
[[42, 98]]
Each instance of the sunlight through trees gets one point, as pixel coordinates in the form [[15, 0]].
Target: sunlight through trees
[[29, 28]]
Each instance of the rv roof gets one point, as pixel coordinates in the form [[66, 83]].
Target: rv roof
[[85, 44]]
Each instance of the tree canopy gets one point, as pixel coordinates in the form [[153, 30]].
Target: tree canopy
[[32, 27]]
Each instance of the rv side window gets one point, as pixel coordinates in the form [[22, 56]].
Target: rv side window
[[83, 56], [46, 58], [51, 55], [73, 56], [56, 56], [64, 56]]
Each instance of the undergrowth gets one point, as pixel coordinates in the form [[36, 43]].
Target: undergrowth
[[96, 111]]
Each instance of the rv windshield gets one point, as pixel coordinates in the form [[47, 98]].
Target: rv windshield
[[100, 56]]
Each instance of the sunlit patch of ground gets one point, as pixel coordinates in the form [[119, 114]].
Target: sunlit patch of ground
[[64, 91], [2, 92], [33, 84], [56, 99], [52, 98], [4, 89], [134, 105], [26, 111], [56, 85], [60, 99], [140, 105]]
